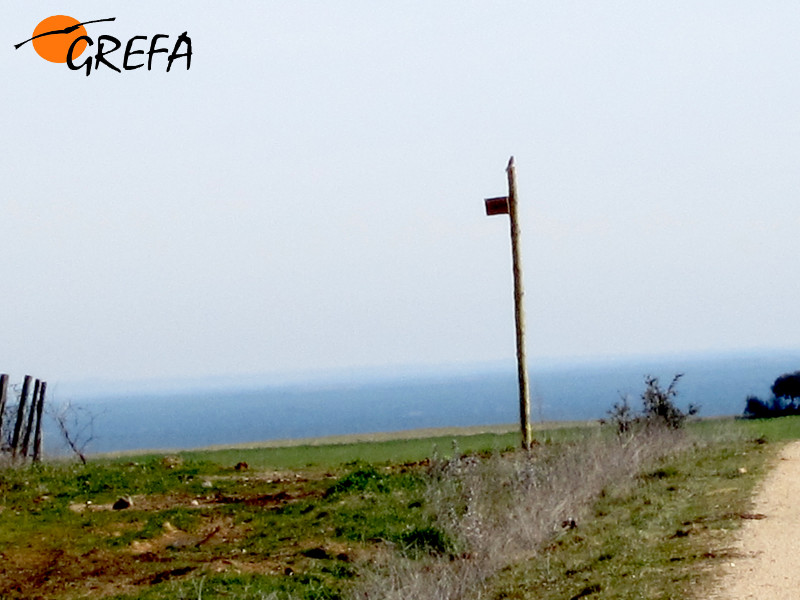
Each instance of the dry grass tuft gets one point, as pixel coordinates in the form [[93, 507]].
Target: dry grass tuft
[[499, 510]]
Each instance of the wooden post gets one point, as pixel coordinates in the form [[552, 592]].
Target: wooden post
[[26, 436], [519, 310], [508, 205], [37, 440], [23, 399], [3, 396]]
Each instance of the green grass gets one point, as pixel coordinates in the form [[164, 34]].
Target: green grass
[[394, 451], [310, 526], [774, 430], [301, 520]]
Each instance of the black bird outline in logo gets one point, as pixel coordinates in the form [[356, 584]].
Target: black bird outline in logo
[[66, 30]]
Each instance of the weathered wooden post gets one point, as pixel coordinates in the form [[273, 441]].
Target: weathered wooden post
[[37, 440], [3, 396], [508, 205], [26, 436], [23, 399]]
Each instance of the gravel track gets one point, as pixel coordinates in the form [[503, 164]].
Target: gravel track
[[767, 554]]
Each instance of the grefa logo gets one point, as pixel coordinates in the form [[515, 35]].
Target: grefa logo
[[63, 39]]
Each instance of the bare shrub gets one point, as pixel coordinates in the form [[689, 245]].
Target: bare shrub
[[658, 408], [622, 416], [501, 509], [659, 405], [76, 424]]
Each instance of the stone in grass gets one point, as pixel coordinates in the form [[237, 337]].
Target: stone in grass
[[122, 503]]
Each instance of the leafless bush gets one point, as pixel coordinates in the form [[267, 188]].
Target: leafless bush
[[658, 408], [76, 425], [502, 509]]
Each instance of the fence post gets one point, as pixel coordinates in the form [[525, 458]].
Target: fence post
[[26, 437], [37, 440], [23, 399], [3, 393]]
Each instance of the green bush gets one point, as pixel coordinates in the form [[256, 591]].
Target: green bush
[[426, 540], [357, 481]]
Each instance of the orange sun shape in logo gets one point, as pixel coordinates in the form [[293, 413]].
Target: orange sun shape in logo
[[62, 32]]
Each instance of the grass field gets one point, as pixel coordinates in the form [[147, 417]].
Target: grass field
[[467, 516]]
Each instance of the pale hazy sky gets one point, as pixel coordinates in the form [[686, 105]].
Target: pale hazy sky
[[309, 195]]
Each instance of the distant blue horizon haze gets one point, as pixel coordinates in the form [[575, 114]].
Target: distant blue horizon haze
[[563, 391]]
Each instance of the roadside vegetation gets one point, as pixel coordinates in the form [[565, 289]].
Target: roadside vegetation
[[588, 513]]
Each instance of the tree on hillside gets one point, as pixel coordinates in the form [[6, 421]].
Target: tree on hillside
[[787, 388], [756, 408], [785, 399]]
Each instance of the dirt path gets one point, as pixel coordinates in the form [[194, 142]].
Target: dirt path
[[768, 549]]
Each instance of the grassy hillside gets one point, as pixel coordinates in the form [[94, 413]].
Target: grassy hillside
[[582, 515]]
